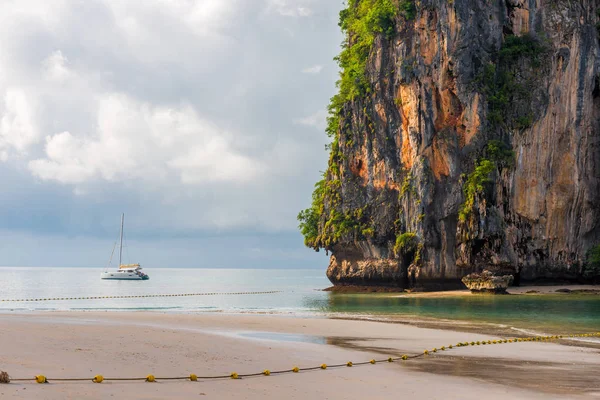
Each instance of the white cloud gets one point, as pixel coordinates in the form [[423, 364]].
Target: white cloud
[[136, 141], [289, 8], [317, 120], [214, 161], [209, 20], [17, 127], [313, 70], [55, 67]]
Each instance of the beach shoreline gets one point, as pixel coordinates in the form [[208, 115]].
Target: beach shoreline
[[80, 344], [514, 290]]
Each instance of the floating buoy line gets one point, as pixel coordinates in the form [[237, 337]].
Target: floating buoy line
[[139, 296]]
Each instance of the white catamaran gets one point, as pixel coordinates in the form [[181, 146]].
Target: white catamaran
[[131, 272]]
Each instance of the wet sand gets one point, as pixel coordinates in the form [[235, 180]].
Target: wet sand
[[83, 344]]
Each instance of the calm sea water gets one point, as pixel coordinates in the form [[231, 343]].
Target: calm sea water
[[301, 294]]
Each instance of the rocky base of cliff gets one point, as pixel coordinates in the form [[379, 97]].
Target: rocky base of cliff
[[364, 289], [350, 273], [370, 272]]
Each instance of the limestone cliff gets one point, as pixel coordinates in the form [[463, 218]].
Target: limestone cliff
[[466, 136]]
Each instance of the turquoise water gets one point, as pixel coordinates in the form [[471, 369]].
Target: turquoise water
[[576, 313], [301, 294]]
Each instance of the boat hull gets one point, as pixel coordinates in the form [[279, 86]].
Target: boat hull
[[121, 276]]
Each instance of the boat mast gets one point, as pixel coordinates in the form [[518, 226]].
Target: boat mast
[[121, 246]]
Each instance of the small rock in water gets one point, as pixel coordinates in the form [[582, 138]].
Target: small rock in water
[[487, 282]]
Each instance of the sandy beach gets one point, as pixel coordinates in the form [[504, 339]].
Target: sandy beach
[[83, 344]]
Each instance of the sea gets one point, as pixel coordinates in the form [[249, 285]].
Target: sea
[[298, 292]]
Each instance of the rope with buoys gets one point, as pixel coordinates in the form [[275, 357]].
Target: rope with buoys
[[141, 296], [4, 377]]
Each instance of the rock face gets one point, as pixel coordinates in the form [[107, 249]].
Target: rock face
[[486, 282], [473, 142]]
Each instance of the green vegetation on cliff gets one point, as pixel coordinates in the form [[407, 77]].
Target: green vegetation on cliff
[[309, 218], [592, 267], [474, 185], [361, 22], [507, 89], [405, 243], [497, 154]]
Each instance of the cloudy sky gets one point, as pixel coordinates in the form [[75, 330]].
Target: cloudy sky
[[201, 120]]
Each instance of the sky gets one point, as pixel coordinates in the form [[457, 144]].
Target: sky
[[202, 120]]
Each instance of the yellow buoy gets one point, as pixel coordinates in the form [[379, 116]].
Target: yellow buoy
[[266, 372], [372, 361], [193, 378], [150, 378], [41, 379], [234, 375], [98, 379], [349, 363], [295, 369]]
